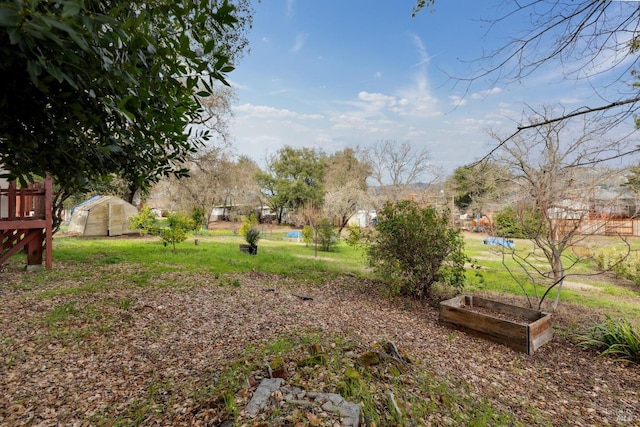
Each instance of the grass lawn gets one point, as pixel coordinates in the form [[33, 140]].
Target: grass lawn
[[124, 331], [602, 293]]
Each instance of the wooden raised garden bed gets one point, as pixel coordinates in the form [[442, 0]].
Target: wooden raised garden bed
[[519, 328]]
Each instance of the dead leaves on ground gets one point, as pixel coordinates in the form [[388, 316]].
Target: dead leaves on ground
[[151, 354]]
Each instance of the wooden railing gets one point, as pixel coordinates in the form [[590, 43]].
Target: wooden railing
[[26, 220]]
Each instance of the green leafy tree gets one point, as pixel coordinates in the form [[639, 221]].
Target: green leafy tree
[[248, 223], [307, 234], [475, 185], [293, 179], [326, 235], [507, 224], [521, 223], [93, 88], [356, 236], [179, 225], [413, 248], [198, 217]]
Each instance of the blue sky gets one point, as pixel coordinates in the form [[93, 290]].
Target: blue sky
[[332, 74]]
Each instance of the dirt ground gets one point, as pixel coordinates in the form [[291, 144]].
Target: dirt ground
[[84, 372]]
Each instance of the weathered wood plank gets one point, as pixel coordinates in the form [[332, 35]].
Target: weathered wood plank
[[514, 345], [540, 332], [514, 310], [526, 337], [116, 214], [484, 323]]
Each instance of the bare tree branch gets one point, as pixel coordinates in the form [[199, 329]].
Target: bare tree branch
[[556, 174]]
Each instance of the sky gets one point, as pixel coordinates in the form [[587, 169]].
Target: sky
[[336, 74]]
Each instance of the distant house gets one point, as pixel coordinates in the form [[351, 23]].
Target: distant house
[[363, 218], [102, 216], [236, 212], [223, 213]]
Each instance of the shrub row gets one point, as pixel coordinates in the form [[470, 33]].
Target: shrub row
[[624, 265]]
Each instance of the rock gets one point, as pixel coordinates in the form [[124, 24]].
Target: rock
[[261, 396], [328, 402], [331, 402]]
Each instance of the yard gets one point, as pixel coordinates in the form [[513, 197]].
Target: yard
[[125, 332]]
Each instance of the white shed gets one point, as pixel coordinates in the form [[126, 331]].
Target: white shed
[[102, 216]]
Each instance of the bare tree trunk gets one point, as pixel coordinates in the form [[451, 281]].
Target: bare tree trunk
[[558, 276]]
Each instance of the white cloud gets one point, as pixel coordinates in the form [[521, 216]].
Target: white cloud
[[290, 6], [377, 75], [357, 123], [265, 112], [457, 101], [238, 86], [377, 98], [424, 108], [417, 100], [299, 42], [422, 51], [417, 134], [485, 93]]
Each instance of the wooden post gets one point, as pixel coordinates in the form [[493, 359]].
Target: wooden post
[[48, 215], [11, 201], [34, 248]]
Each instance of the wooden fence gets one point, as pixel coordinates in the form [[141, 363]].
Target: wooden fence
[[604, 227]]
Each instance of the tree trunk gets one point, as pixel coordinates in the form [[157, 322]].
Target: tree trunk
[[558, 277], [133, 191]]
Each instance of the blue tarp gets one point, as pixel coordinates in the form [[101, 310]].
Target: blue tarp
[[295, 234], [499, 241]]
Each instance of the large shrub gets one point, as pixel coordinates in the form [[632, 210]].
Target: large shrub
[[248, 223], [524, 223], [145, 221], [507, 224], [412, 248]]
